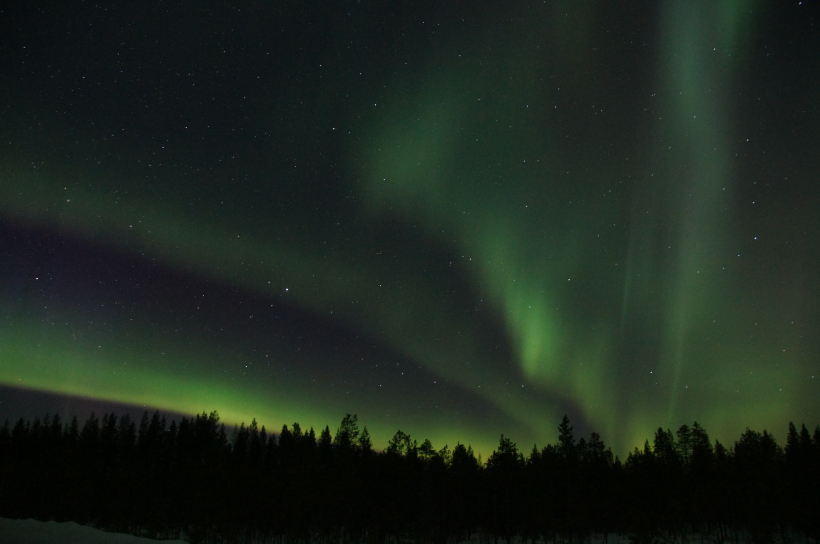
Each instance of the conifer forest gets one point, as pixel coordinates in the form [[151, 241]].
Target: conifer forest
[[197, 478]]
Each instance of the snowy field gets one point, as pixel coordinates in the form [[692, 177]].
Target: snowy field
[[30, 531]]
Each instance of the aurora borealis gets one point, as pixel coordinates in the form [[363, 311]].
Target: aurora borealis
[[454, 219]]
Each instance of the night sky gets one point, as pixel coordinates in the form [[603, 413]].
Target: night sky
[[457, 219]]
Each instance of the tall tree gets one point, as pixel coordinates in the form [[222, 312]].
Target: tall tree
[[347, 435], [401, 444], [665, 449], [365, 443], [566, 440], [684, 444]]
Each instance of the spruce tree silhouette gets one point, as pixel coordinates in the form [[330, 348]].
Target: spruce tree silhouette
[[155, 480]]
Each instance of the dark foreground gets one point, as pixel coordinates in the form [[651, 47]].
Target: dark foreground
[[190, 478]]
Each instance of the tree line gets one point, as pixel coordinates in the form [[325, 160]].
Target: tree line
[[157, 479]]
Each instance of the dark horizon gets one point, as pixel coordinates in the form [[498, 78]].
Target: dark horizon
[[30, 405], [159, 480]]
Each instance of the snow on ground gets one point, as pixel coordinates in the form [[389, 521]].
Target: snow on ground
[[31, 531]]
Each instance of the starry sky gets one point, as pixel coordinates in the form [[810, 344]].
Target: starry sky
[[457, 219]]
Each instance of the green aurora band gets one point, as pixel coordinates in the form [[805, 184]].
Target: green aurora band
[[598, 229]]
